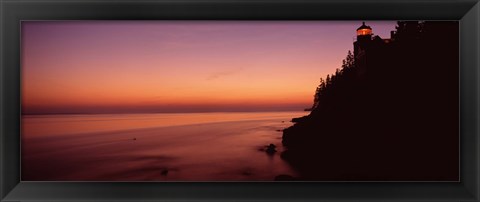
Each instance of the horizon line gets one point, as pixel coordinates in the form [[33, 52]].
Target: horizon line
[[191, 112]]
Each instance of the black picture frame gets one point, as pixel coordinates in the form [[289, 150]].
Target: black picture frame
[[12, 12]]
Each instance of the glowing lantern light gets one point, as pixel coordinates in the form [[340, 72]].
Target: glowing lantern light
[[364, 30]]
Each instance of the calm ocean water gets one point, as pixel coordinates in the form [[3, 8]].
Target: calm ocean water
[[154, 147]]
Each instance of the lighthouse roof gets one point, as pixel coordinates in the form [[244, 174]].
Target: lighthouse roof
[[364, 26]]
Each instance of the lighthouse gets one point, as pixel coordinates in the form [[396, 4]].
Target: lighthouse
[[369, 48], [364, 37], [364, 32], [361, 47]]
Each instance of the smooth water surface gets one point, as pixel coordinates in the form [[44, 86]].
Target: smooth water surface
[[227, 146]]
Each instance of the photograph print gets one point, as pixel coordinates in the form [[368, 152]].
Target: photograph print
[[240, 101]]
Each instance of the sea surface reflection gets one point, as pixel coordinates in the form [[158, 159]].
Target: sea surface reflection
[[154, 147]]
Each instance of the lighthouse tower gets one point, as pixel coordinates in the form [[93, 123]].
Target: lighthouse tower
[[361, 47], [364, 37]]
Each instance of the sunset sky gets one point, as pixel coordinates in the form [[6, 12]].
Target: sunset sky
[[180, 66]]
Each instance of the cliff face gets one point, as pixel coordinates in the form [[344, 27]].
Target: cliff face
[[393, 117]]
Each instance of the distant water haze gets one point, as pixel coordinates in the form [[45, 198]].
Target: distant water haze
[[154, 147]]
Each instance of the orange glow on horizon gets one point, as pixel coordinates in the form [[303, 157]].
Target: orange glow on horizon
[[118, 89]]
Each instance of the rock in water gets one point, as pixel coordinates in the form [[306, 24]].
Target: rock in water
[[271, 149]]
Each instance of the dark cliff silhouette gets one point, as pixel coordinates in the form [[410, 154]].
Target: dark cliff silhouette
[[391, 112]]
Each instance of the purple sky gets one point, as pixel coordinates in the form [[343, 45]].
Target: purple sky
[[124, 66]]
